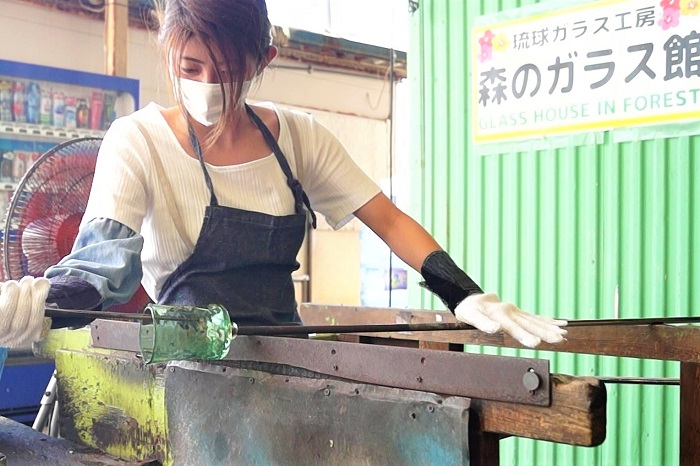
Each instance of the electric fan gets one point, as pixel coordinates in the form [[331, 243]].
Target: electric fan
[[46, 209]]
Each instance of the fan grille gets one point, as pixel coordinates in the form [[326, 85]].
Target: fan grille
[[46, 209]]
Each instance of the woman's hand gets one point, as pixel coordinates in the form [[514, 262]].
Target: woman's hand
[[489, 314], [22, 305]]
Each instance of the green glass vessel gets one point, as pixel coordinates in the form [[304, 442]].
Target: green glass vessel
[[186, 333]]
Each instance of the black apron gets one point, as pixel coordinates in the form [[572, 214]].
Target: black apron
[[243, 260]]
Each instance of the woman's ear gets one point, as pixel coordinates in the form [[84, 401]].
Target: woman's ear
[[271, 54]]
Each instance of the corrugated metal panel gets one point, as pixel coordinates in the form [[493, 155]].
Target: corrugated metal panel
[[598, 231]]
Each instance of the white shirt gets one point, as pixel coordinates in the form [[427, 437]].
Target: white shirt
[[126, 187]]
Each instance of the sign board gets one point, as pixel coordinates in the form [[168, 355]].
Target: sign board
[[588, 67]]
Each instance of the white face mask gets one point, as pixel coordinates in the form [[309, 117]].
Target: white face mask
[[205, 101]]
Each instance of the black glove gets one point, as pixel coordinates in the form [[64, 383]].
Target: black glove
[[444, 278], [69, 292]]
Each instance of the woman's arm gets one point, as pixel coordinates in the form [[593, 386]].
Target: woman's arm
[[404, 236], [442, 276]]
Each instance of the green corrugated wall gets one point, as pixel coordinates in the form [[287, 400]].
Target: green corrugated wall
[[567, 232]]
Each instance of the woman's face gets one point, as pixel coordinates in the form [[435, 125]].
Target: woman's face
[[196, 65]]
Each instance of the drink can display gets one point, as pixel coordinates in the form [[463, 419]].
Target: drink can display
[[59, 109], [5, 101], [19, 166], [70, 113], [110, 113], [96, 101], [19, 102], [83, 114], [33, 103], [46, 110], [7, 162]]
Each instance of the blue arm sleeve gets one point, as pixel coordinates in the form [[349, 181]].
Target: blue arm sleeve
[[103, 269]]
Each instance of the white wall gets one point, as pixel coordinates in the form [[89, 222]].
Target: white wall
[[34, 34], [354, 108]]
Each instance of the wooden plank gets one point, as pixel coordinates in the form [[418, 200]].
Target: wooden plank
[[663, 342], [116, 32], [690, 414], [577, 415]]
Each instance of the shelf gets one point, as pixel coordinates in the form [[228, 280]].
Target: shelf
[[35, 132]]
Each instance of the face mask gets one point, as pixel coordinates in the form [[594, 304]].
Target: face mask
[[205, 101]]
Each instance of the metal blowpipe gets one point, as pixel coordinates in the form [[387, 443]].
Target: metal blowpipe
[[370, 328]]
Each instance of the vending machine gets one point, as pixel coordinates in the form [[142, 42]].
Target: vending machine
[[41, 107]]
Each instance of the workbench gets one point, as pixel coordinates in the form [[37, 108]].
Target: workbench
[[657, 342], [389, 399]]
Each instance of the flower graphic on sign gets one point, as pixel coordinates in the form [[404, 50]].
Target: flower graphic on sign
[[485, 46], [485, 54], [672, 4], [670, 18], [500, 43], [690, 7], [490, 42], [485, 40]]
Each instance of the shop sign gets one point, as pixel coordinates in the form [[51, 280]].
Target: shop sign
[[595, 66]]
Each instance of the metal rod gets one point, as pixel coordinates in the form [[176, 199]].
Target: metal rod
[[635, 321], [55, 312], [372, 328], [436, 326], [640, 380]]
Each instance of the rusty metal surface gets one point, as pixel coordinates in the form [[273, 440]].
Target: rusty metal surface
[[220, 415], [462, 374], [24, 446]]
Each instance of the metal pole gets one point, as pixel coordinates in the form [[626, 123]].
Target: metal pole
[[436, 326], [373, 328]]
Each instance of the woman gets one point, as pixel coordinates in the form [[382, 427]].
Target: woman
[[212, 156]]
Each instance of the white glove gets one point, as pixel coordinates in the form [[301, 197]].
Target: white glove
[[22, 307], [489, 314]]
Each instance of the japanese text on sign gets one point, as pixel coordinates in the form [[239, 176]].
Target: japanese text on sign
[[598, 66]]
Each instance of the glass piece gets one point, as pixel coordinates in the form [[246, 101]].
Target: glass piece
[[186, 333]]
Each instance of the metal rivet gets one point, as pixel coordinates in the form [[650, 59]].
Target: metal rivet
[[327, 391], [419, 379], [431, 408], [412, 415], [172, 369], [531, 381], [333, 351], [251, 380], [335, 368]]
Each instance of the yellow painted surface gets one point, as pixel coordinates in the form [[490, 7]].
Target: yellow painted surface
[[63, 339], [116, 404]]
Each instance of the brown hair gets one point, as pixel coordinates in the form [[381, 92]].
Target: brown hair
[[237, 32]]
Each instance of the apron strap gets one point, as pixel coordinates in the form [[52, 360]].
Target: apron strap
[[296, 144], [300, 197], [198, 150]]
